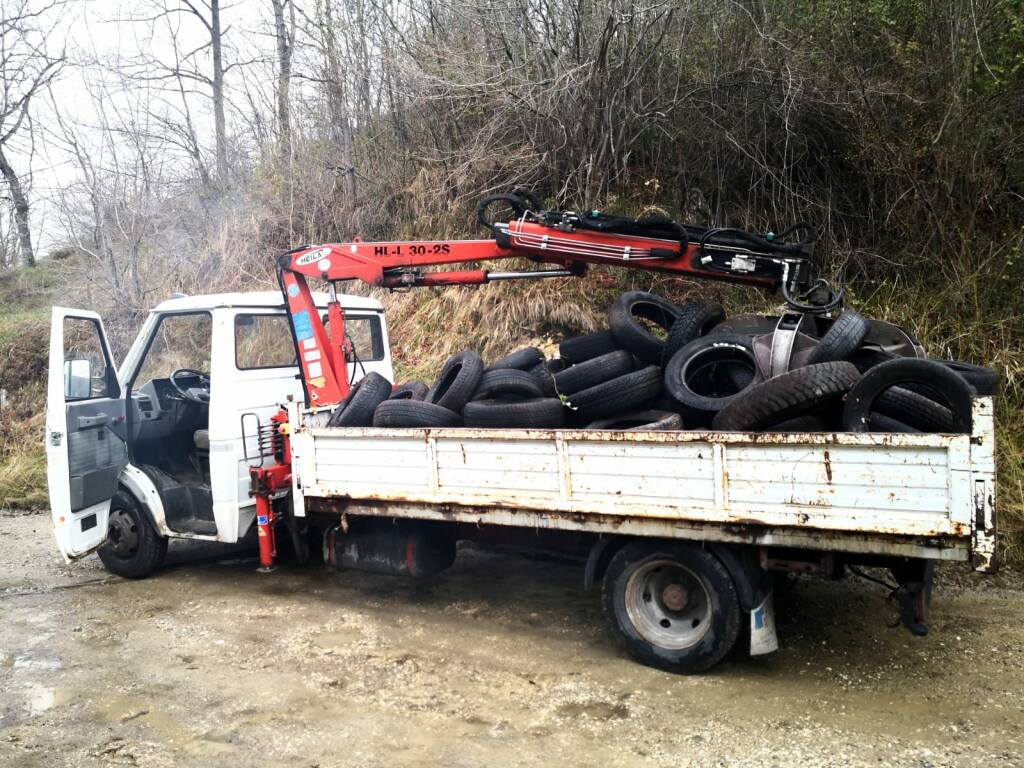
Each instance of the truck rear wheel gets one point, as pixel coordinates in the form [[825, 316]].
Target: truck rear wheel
[[134, 549], [671, 605]]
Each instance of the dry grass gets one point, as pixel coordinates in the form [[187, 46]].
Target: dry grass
[[26, 296], [22, 460]]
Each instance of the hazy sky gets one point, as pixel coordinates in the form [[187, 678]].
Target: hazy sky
[[104, 40]]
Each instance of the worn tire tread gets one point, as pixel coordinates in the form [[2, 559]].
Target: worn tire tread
[[787, 396]]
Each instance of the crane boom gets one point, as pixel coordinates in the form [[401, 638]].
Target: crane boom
[[566, 241]]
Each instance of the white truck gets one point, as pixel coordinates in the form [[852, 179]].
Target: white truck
[[682, 529]]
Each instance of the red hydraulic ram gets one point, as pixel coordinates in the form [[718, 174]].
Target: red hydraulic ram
[[264, 482]]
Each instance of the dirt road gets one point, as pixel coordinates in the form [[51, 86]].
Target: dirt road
[[504, 661]]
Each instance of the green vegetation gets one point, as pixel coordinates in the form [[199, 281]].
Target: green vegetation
[[26, 296]]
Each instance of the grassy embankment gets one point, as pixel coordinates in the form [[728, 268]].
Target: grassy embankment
[[25, 299]]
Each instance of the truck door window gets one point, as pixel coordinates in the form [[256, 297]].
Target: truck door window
[[87, 370], [263, 341], [180, 341], [366, 336]]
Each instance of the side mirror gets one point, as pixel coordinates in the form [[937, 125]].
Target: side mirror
[[77, 379]]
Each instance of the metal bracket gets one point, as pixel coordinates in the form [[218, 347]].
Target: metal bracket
[[257, 460]]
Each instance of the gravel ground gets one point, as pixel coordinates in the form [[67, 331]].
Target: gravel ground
[[503, 661]]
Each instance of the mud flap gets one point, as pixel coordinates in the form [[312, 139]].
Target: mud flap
[[914, 594], [763, 638]]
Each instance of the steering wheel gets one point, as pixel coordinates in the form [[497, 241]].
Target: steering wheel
[[200, 394]]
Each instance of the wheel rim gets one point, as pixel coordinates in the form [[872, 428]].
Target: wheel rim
[[122, 534], [668, 604]]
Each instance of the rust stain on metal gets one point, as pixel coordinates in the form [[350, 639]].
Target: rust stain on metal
[[737, 530], [802, 517], [747, 521], [831, 516]]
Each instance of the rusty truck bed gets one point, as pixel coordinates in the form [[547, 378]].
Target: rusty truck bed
[[919, 495]]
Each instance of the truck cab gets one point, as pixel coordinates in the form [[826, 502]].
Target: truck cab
[[161, 447]]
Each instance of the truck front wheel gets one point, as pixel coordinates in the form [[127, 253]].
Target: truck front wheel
[[133, 549], [671, 605]]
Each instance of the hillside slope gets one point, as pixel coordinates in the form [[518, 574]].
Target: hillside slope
[[26, 296]]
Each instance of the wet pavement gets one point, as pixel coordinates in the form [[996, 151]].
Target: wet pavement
[[502, 661]]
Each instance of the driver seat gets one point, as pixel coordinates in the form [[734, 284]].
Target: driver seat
[[200, 457], [201, 440]]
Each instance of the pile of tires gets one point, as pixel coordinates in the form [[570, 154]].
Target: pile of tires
[[660, 366]]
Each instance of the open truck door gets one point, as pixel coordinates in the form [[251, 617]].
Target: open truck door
[[86, 446]]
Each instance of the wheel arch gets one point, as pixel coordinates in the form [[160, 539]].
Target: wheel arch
[[601, 553], [141, 488], [752, 582]]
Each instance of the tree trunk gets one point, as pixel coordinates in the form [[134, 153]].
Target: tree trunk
[[218, 93], [284, 76], [20, 201], [341, 123]]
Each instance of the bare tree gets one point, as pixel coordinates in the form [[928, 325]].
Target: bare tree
[[217, 82], [187, 66], [340, 127], [184, 130], [284, 35], [26, 68]]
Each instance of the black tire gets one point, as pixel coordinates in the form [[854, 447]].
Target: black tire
[[842, 339], [914, 410], [579, 348], [800, 424], [984, 381], [939, 381], [508, 382], [641, 421], [696, 318], [622, 394], [414, 414], [868, 357], [879, 422], [592, 372], [545, 378], [740, 376], [414, 390], [709, 373], [795, 393], [357, 410], [538, 413], [457, 381], [520, 360], [642, 609], [624, 317], [747, 325], [134, 549]]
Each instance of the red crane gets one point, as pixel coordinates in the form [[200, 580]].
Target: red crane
[[566, 240]]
